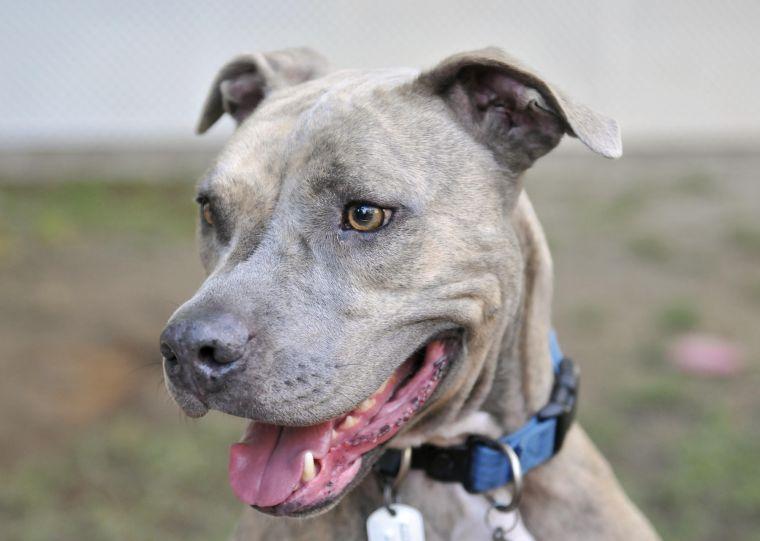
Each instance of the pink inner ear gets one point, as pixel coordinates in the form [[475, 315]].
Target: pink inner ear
[[242, 94]]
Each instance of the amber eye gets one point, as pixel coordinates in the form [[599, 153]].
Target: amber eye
[[366, 217], [207, 213]]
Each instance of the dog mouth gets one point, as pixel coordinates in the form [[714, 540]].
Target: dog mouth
[[292, 470]]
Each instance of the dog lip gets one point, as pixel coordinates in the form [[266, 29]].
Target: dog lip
[[454, 337], [190, 402], [353, 442]]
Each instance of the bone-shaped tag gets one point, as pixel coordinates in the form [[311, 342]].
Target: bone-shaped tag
[[405, 525]]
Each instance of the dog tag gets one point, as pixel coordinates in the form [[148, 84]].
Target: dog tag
[[405, 525]]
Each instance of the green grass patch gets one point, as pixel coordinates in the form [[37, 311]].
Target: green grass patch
[[650, 354], [606, 428], [588, 317], [746, 238], [679, 315], [126, 479], [665, 392], [650, 248], [752, 292], [79, 211], [695, 183], [626, 205], [707, 489]]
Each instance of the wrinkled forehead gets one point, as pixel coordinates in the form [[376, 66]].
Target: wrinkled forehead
[[339, 128]]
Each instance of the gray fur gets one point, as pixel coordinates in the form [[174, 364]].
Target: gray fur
[[334, 312]]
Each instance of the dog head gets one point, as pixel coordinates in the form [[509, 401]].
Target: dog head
[[360, 255]]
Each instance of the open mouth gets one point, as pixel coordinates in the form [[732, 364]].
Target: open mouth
[[294, 470]]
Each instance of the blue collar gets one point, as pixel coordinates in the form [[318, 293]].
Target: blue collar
[[478, 463]]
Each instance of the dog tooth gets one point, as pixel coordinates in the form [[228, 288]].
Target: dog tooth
[[334, 435], [309, 469], [349, 422], [366, 405]]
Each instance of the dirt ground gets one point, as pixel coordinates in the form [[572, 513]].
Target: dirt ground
[[646, 249]]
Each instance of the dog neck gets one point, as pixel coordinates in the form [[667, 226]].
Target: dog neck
[[523, 375]]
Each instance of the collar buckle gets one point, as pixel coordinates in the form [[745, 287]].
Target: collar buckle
[[563, 400], [480, 464]]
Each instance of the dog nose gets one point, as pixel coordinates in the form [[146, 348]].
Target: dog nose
[[200, 353]]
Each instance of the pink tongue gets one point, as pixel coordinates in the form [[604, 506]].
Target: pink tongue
[[266, 467]]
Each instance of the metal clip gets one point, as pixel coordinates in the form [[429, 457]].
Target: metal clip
[[390, 485], [515, 467]]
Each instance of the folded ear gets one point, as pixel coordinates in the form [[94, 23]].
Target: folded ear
[[509, 108], [245, 80]]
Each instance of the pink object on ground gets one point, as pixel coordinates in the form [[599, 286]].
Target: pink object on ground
[[705, 355]]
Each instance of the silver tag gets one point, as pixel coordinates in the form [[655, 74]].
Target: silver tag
[[406, 525]]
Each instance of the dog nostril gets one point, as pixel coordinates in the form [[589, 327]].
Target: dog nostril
[[206, 355], [168, 354], [216, 355]]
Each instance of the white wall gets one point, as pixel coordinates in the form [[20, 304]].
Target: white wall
[[113, 71]]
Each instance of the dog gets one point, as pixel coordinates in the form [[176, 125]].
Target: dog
[[377, 278]]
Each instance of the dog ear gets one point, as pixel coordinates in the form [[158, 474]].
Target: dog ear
[[509, 108], [245, 80]]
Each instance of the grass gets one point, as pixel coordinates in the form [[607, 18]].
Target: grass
[[125, 479], [696, 183], [66, 213], [685, 449], [651, 248], [705, 476], [746, 239], [626, 205], [703, 464], [588, 318], [678, 315], [659, 394], [752, 292]]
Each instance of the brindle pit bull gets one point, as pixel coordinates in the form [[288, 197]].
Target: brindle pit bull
[[377, 277]]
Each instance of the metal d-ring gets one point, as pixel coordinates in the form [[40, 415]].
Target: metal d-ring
[[403, 468], [517, 475]]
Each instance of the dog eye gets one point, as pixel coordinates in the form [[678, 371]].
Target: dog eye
[[365, 217], [207, 214]]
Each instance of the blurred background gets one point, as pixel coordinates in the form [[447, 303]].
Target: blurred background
[[656, 255]]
